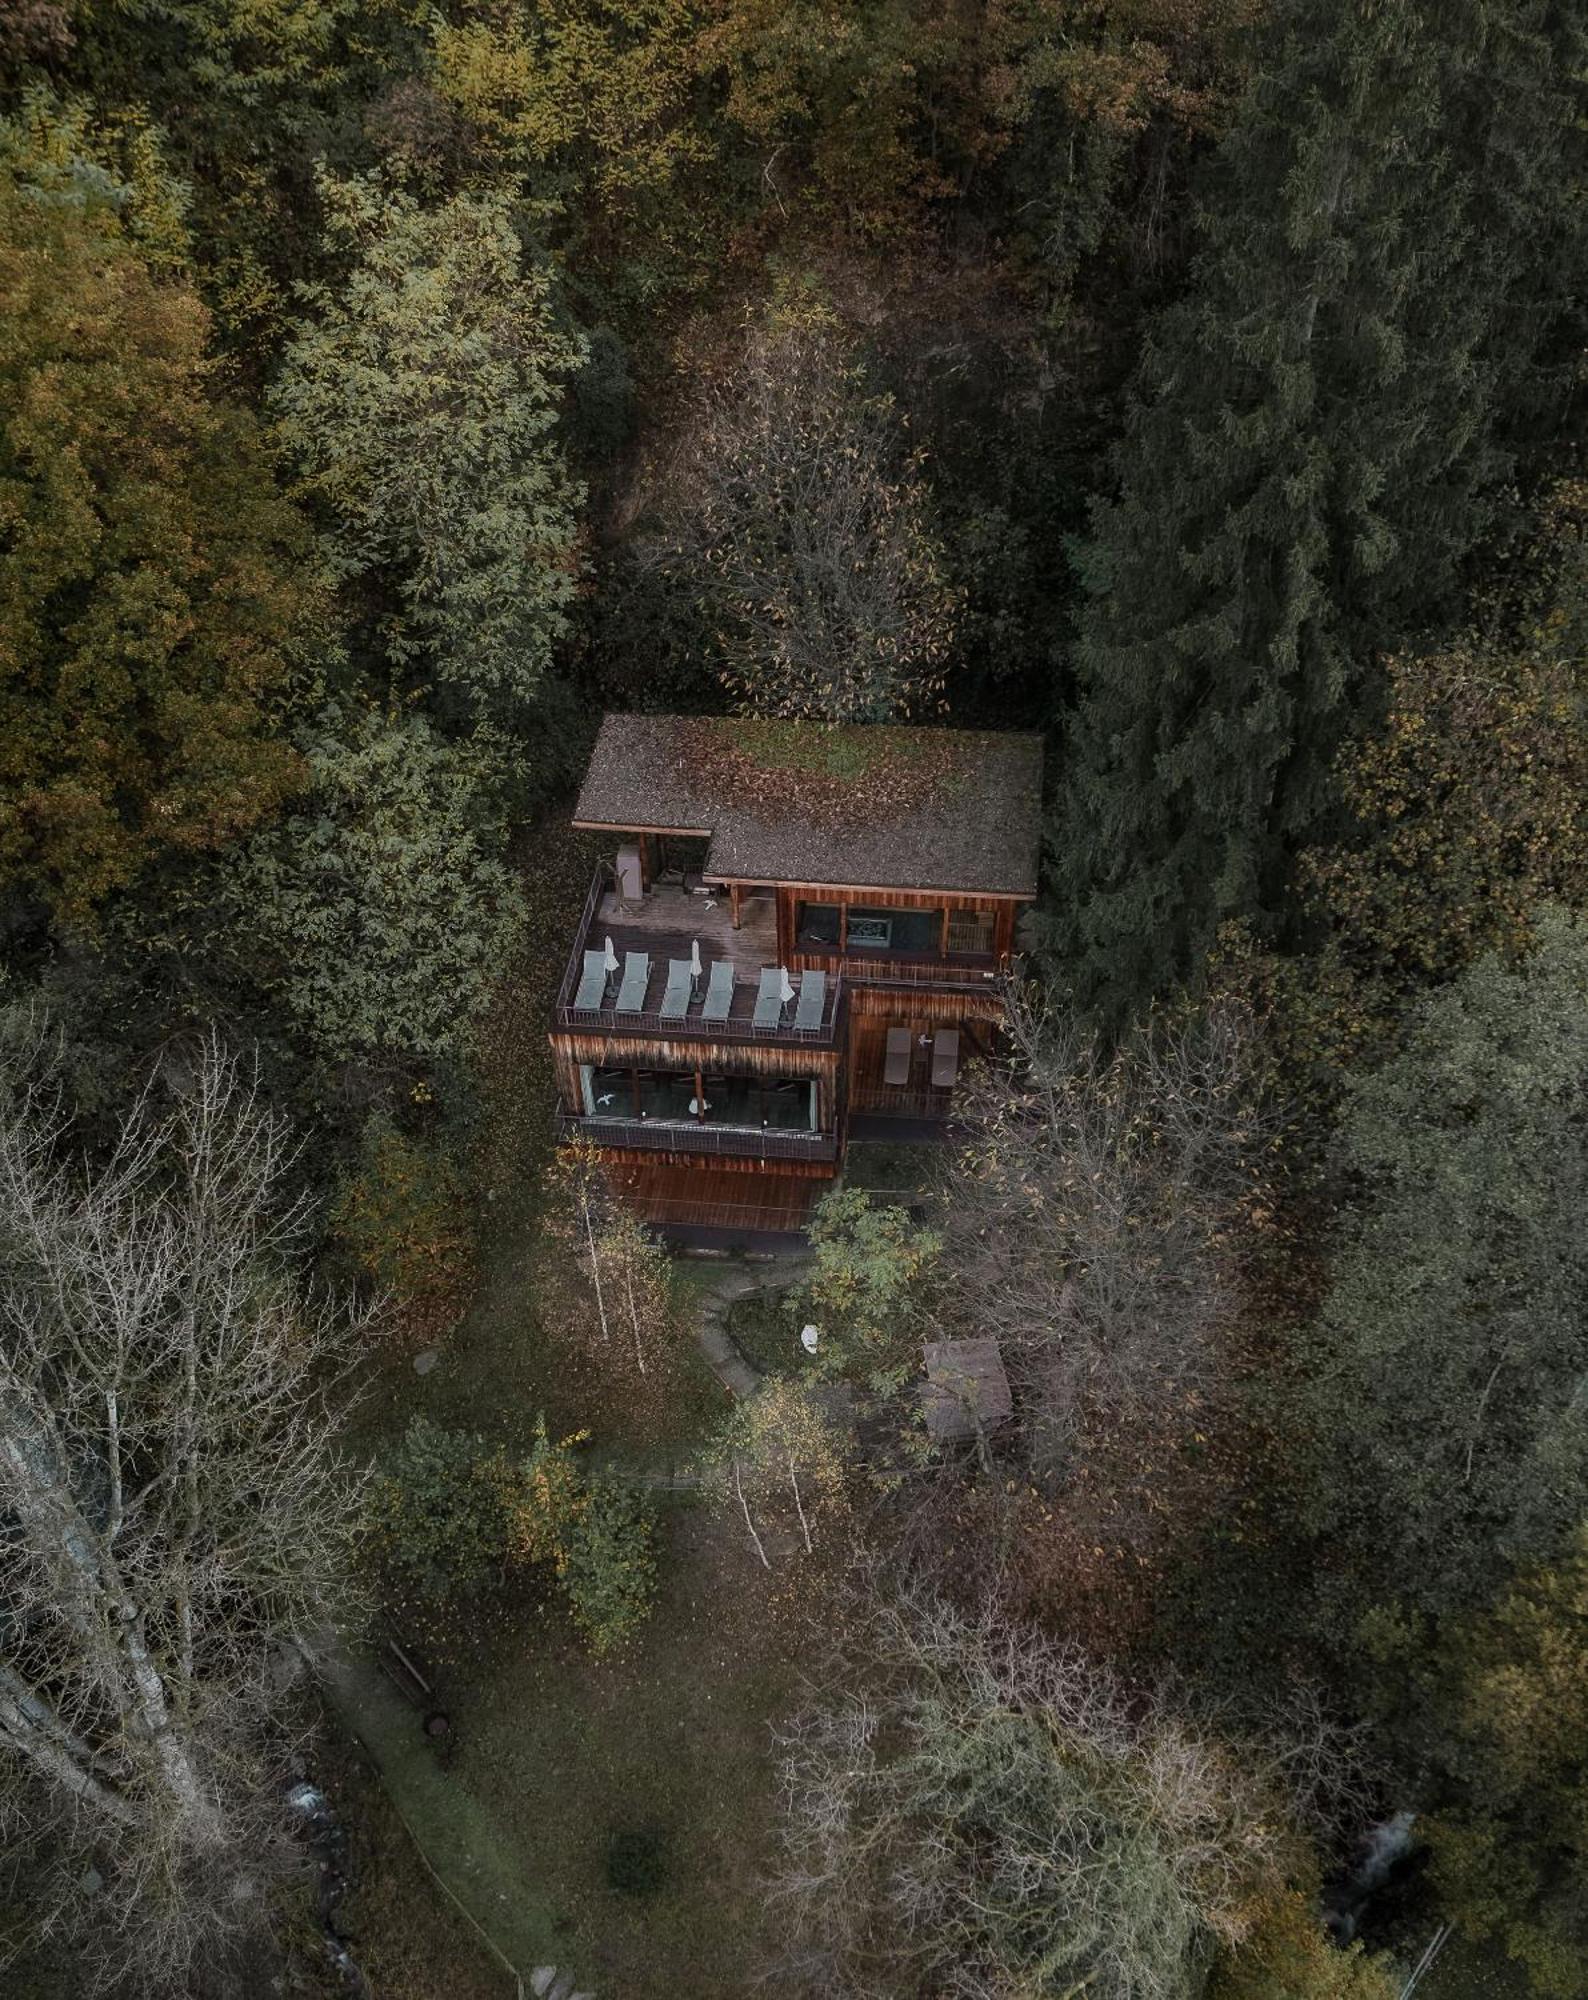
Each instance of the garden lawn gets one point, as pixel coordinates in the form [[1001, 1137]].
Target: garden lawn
[[669, 1743]]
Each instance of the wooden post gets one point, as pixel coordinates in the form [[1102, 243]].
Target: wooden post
[[735, 897], [700, 1094], [645, 862], [942, 936]]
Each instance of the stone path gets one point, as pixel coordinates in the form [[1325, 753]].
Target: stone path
[[718, 1345], [547, 1983]]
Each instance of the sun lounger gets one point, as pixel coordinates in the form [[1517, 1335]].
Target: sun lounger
[[636, 977], [675, 1002], [945, 1058], [593, 980], [769, 1000], [896, 1070], [813, 998], [719, 991]]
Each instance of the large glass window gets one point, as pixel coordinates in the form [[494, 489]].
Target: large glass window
[[779, 1104], [782, 1104]]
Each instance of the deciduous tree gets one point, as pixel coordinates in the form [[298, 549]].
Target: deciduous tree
[[419, 399], [176, 1503], [803, 514], [1446, 1367], [156, 590], [1092, 1221], [1510, 1689], [779, 1462], [970, 1808]]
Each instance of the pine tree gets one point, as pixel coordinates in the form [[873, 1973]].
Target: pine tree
[[1312, 446]]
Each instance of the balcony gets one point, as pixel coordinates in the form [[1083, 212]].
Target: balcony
[[665, 924], [668, 1135]]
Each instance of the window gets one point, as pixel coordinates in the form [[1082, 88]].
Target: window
[[780, 1104], [896, 930], [971, 932], [818, 925]]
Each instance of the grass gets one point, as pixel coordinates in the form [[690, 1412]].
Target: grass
[[766, 1326], [410, 1939], [558, 1754], [671, 1742]]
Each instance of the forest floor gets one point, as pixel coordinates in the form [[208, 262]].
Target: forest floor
[[557, 1754]]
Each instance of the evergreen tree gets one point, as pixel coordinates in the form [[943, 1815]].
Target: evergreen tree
[[380, 908], [1310, 450]]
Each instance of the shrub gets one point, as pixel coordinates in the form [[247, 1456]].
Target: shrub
[[402, 1215], [608, 1565], [443, 1510], [637, 1862], [872, 1266]]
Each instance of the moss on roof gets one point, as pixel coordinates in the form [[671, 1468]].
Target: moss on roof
[[871, 807]]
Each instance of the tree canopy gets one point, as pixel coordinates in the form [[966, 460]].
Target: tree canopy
[[419, 399], [156, 590]]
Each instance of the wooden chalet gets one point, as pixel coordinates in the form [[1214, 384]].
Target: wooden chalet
[[799, 935]]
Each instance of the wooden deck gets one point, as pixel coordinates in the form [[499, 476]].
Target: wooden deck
[[671, 917], [665, 924]]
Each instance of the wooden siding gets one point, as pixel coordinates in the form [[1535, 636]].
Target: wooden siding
[[922, 1006], [715, 1197]]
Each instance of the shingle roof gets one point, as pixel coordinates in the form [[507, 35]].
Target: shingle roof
[[862, 807]]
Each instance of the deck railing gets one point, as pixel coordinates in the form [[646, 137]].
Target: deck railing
[[879, 969], [885, 1099], [689, 1135], [690, 1026]]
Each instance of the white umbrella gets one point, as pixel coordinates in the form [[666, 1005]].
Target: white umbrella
[[694, 959], [611, 958], [786, 990]]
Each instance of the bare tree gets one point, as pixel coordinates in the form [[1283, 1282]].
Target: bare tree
[[1092, 1222], [779, 1460], [971, 1810], [172, 1502], [800, 507], [613, 1296]]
